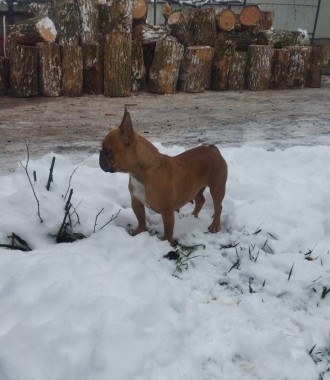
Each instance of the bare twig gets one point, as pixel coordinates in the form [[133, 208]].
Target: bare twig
[[113, 217], [50, 177], [97, 216], [70, 182]]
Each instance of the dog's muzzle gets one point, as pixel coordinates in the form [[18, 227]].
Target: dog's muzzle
[[105, 165]]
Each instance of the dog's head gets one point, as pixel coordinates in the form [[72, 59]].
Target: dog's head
[[115, 155]]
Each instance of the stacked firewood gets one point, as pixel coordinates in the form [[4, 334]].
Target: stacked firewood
[[79, 46]]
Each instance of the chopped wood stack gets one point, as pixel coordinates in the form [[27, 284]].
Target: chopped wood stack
[[77, 47]]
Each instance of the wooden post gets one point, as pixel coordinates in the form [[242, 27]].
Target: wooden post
[[92, 69], [138, 67], [259, 67], [280, 66], [4, 75], [164, 71], [298, 65], [236, 80], [24, 71], [314, 74], [72, 66], [195, 68], [50, 69], [222, 62]]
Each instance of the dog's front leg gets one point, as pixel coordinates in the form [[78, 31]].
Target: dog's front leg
[[168, 221], [140, 214]]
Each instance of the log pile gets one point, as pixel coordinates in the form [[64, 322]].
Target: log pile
[[76, 47]]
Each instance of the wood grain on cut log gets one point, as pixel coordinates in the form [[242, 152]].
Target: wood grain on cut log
[[164, 71], [67, 21], [298, 65], [138, 67], [266, 21], [24, 71], [72, 66], [92, 69], [139, 11], [50, 69], [204, 27], [222, 61], [236, 80], [195, 69], [226, 20], [4, 75], [121, 16], [280, 66], [278, 38], [314, 73], [259, 67], [89, 20], [148, 34], [117, 65], [250, 15]]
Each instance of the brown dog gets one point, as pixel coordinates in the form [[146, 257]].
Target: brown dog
[[163, 183]]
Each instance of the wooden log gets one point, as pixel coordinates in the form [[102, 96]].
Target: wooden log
[[166, 11], [259, 67], [204, 27], [4, 75], [181, 26], [195, 69], [250, 15], [314, 74], [139, 11], [89, 19], [279, 38], [223, 59], [280, 66], [242, 40], [226, 20], [138, 67], [164, 72], [298, 65], [117, 65], [92, 69], [24, 71], [266, 21], [39, 10], [50, 69], [67, 21], [121, 16], [72, 68], [148, 34], [236, 80]]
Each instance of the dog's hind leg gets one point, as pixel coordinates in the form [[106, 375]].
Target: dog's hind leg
[[199, 201], [217, 197]]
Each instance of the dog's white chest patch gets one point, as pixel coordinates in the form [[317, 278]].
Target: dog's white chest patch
[[138, 190]]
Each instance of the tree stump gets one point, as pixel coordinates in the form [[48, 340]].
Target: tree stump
[[89, 19], [4, 75], [67, 21], [72, 66], [298, 65], [139, 11], [250, 15], [318, 54], [92, 69], [236, 80], [164, 71], [50, 69], [138, 67], [226, 20], [117, 65], [195, 68], [280, 66], [24, 71], [259, 67], [204, 27], [223, 59]]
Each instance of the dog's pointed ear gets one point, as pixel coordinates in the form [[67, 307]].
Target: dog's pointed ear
[[126, 129]]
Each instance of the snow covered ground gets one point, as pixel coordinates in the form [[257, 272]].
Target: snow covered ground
[[250, 302]]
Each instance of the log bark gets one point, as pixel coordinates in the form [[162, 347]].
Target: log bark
[[148, 34], [139, 11], [259, 67], [181, 26], [266, 21], [279, 38], [39, 9], [314, 74], [226, 20], [138, 67], [50, 69], [4, 75], [164, 72], [242, 39], [236, 80], [121, 16], [223, 59], [92, 69], [72, 66], [24, 71], [117, 65], [280, 66], [67, 21], [195, 69], [204, 27], [250, 15], [298, 66], [89, 20]]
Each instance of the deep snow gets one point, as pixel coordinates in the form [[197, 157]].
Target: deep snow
[[248, 306]]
